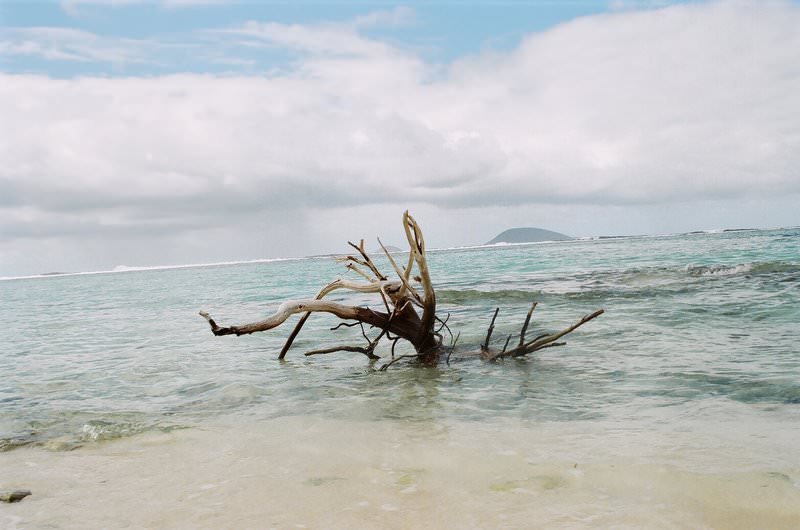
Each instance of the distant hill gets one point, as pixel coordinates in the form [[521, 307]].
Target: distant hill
[[527, 235]]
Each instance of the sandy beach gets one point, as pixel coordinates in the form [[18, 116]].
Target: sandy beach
[[317, 473]]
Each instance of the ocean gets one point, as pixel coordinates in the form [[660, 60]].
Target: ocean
[[677, 408]]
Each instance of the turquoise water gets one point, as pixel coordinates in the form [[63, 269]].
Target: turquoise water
[[693, 321]]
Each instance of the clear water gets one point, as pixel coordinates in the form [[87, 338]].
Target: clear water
[[689, 318], [699, 344]]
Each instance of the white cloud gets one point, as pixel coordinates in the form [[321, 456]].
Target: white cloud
[[694, 102], [399, 16], [321, 39], [65, 44]]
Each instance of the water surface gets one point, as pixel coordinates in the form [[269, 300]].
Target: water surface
[[691, 377]]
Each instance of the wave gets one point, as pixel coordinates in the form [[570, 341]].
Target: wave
[[125, 268], [736, 388], [501, 245], [752, 268], [656, 273], [92, 431], [637, 282], [466, 296]]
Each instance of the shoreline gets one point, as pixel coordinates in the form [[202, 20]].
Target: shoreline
[[485, 246], [310, 472]]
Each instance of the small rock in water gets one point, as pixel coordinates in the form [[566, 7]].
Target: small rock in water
[[13, 496]]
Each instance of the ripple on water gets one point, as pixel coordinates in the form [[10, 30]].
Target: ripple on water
[[689, 318]]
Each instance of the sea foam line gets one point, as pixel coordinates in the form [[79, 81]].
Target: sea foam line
[[124, 268]]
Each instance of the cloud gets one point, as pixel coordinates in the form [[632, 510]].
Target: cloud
[[65, 44], [691, 102], [398, 16], [232, 46], [321, 39]]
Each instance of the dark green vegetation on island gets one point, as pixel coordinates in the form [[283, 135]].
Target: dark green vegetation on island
[[527, 235]]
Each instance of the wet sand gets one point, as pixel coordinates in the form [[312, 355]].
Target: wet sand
[[306, 472]]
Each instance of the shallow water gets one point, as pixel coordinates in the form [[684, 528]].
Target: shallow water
[[679, 406], [313, 472]]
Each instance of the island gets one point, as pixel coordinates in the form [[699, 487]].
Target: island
[[527, 235]]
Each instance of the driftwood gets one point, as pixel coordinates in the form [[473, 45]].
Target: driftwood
[[407, 312]]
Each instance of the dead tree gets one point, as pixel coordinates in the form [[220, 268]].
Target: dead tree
[[408, 311]]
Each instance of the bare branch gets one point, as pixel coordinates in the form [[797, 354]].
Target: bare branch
[[293, 335], [444, 323], [367, 261], [387, 365], [552, 338], [452, 348], [417, 245], [356, 349], [485, 346], [375, 286], [363, 332], [401, 275], [541, 342], [291, 307], [525, 325], [552, 344], [346, 324], [354, 268], [349, 259]]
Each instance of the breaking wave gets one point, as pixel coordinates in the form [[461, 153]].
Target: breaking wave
[[75, 436], [637, 282], [466, 296], [754, 268], [125, 268]]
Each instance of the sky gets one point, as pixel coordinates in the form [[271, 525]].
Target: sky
[[142, 133]]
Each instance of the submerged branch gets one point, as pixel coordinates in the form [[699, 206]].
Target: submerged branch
[[525, 325], [356, 349], [485, 345], [540, 342]]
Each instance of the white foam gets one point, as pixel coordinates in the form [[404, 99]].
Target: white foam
[[720, 270], [125, 268]]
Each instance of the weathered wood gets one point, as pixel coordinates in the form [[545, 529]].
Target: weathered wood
[[541, 341], [374, 287], [400, 319], [485, 346], [525, 325]]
